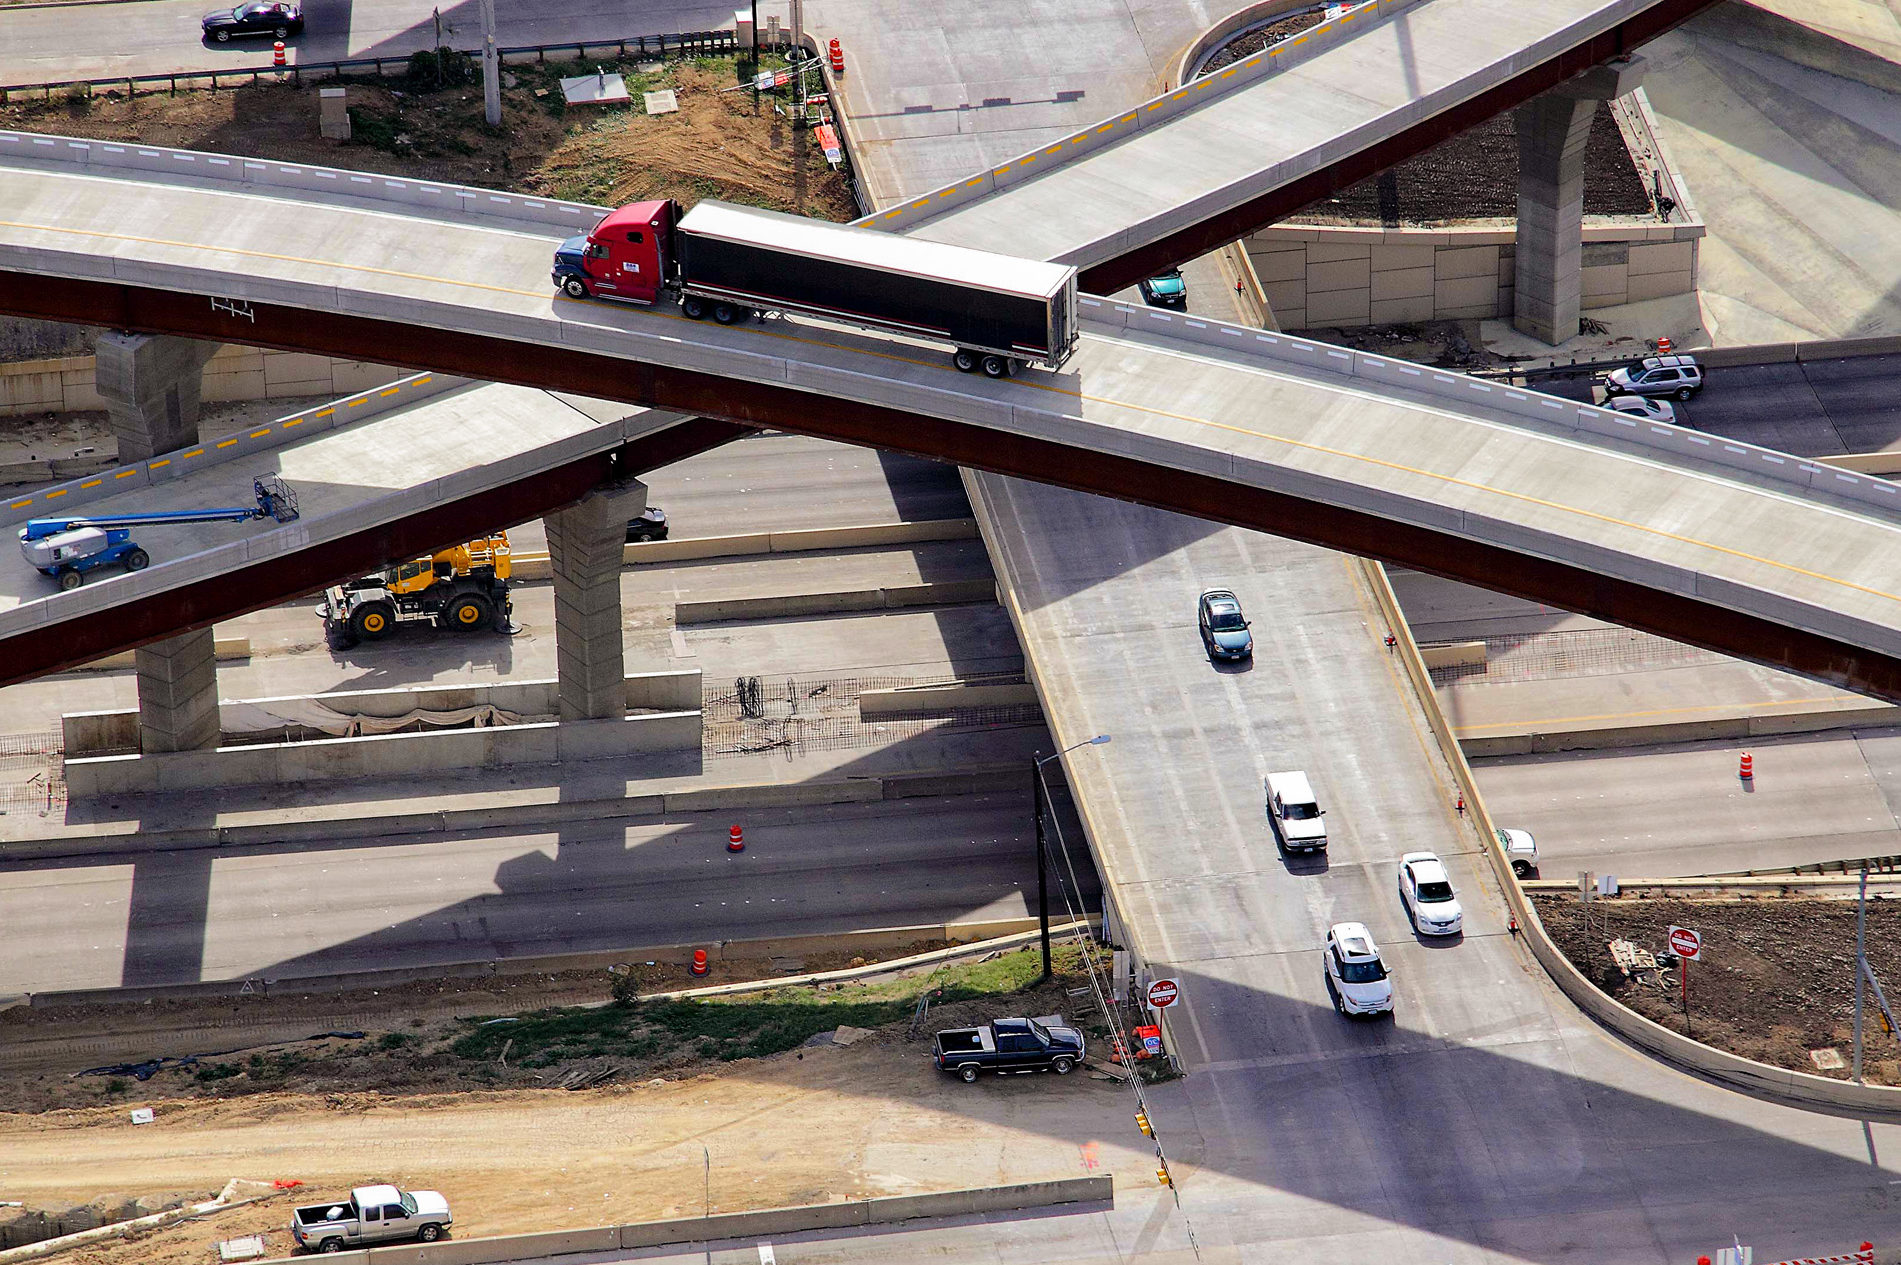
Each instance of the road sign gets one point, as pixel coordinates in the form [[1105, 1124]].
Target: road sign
[[1686, 944], [1163, 992]]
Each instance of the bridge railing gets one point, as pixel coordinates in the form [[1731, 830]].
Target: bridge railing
[[683, 44]]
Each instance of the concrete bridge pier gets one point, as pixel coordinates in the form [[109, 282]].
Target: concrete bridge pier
[[1552, 132], [151, 386], [585, 543]]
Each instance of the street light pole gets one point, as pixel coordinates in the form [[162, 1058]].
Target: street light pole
[[1039, 791]]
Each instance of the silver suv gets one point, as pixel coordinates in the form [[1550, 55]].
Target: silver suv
[[1679, 377]]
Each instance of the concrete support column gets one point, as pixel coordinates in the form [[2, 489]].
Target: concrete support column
[[151, 386], [585, 543], [178, 693], [1553, 130]]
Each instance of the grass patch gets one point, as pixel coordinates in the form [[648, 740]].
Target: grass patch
[[751, 1026]]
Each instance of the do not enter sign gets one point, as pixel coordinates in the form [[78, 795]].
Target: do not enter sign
[[1686, 943], [1163, 992]]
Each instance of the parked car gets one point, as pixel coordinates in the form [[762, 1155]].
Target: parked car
[[275, 18], [1645, 407], [1010, 1046], [1357, 978], [1521, 850], [1166, 290], [372, 1214], [1296, 814], [1679, 377], [651, 525], [1426, 890], [1224, 630]]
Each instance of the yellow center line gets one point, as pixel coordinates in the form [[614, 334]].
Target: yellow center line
[[1396, 466]]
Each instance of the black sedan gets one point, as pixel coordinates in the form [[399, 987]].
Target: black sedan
[[275, 18]]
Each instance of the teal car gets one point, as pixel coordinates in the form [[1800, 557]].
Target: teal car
[[1166, 290]]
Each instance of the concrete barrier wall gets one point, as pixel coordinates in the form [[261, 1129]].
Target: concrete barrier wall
[[508, 1247], [1728, 728], [671, 691], [919, 698], [382, 755], [1801, 1089], [225, 648], [66, 385], [1454, 654], [793, 605]]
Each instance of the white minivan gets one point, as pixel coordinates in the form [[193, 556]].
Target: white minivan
[[1296, 814]]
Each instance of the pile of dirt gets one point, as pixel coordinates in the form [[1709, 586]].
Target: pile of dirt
[[719, 144], [1776, 980]]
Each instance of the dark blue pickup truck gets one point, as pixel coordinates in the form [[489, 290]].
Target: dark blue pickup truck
[[1010, 1046]]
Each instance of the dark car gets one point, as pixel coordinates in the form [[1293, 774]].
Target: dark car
[[651, 525], [1224, 630], [1166, 290], [275, 18]]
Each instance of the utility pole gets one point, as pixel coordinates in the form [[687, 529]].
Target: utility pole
[[1861, 963], [491, 68], [1039, 789]]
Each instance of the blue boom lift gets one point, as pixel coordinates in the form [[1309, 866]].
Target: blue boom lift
[[67, 548]]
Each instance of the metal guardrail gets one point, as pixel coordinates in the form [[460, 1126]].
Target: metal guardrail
[[684, 44]]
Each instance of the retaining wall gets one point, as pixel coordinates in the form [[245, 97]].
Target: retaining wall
[[1730, 728], [66, 385], [765, 1223], [924, 698], [1800, 1089], [535, 565]]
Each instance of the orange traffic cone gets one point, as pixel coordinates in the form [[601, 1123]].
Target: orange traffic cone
[[735, 841], [699, 961], [1747, 770], [277, 54], [1664, 345]]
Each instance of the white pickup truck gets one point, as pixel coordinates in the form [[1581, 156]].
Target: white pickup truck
[[373, 1214]]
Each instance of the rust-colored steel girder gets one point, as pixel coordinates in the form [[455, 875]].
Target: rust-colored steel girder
[[1218, 230], [757, 404], [199, 605]]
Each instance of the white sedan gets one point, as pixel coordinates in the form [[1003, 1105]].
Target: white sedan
[[1426, 890], [1645, 407]]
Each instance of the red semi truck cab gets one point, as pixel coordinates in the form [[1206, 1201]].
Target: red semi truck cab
[[627, 256]]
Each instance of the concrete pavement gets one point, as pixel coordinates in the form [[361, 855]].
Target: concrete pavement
[[153, 37], [403, 902], [1681, 810]]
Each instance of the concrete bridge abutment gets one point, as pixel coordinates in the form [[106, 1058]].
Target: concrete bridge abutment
[[1553, 130]]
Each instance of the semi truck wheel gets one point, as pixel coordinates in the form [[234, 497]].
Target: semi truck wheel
[[996, 367], [725, 313], [137, 560], [693, 307], [467, 613], [574, 287], [965, 360], [371, 621], [70, 579]]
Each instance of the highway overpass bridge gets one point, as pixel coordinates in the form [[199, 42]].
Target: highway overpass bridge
[[1717, 543]]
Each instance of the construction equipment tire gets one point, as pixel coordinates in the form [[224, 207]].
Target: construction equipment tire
[[468, 613], [371, 621]]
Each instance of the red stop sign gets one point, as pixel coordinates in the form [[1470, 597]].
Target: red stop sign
[[1686, 943], [1163, 992]]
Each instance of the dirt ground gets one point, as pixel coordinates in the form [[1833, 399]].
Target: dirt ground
[[819, 1123], [716, 145], [1776, 980]]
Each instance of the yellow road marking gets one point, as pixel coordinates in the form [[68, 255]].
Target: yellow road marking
[[259, 434], [61, 492], [226, 443], [95, 483], [1399, 467], [20, 505], [125, 474], [196, 452], [156, 464]]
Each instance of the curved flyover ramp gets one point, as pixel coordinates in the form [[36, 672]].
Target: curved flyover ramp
[[1731, 547]]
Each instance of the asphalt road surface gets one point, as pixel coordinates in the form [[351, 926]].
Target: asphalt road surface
[[153, 37], [409, 901]]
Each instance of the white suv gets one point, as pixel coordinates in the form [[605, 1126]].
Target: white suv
[[1677, 376], [1426, 890], [1357, 979]]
